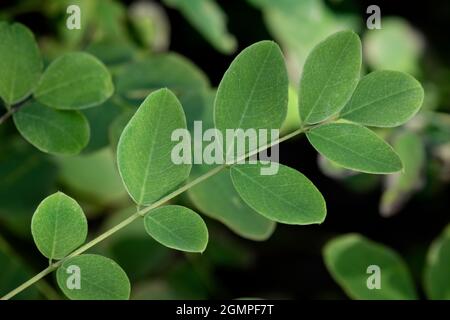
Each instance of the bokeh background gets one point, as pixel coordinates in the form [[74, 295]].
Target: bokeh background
[[289, 264]]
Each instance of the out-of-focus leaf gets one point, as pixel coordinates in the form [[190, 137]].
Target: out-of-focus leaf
[[148, 257], [217, 198], [189, 282], [436, 275], [26, 177], [111, 53], [332, 169], [292, 121], [93, 176], [151, 25], [116, 127], [396, 46], [348, 258], [138, 79], [14, 273], [209, 19], [399, 186], [154, 290], [291, 22], [100, 119]]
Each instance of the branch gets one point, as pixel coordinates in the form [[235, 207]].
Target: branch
[[144, 211]]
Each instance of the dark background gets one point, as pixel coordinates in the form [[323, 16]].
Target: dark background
[[290, 262]]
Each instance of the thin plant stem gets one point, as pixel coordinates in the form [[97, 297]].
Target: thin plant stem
[[13, 109]]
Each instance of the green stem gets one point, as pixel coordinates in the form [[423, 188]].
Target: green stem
[[144, 211], [13, 109]]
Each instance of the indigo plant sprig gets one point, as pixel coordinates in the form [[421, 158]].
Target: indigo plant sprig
[[335, 105]]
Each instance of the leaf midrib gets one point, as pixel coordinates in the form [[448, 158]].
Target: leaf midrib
[[269, 190], [350, 111], [346, 148], [51, 124], [150, 153]]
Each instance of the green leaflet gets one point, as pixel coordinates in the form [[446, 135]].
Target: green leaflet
[[145, 146], [253, 92], [354, 147], [384, 99], [20, 62], [209, 19], [75, 80], [58, 226], [178, 228], [217, 198], [330, 75], [150, 23], [400, 186], [54, 131], [286, 197], [100, 278], [349, 259], [437, 277]]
